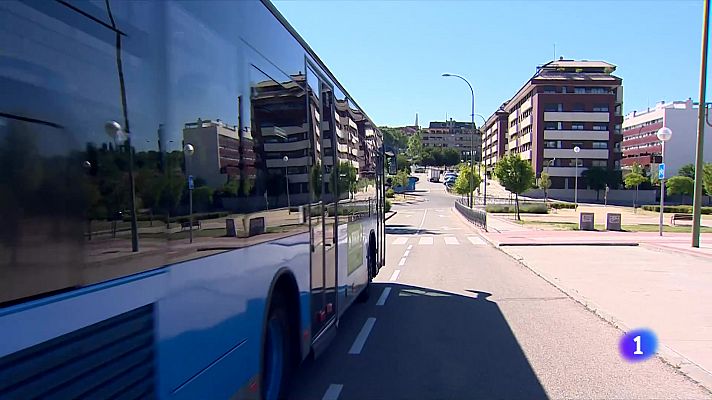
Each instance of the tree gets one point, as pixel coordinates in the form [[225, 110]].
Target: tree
[[544, 184], [403, 163], [516, 175], [707, 177], [598, 178], [415, 146], [427, 159], [451, 157], [687, 170], [462, 183], [634, 179], [394, 138], [682, 185]]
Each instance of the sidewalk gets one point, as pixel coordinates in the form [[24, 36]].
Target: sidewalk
[[638, 280]]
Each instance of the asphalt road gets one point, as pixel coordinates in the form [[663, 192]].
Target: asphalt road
[[451, 317]]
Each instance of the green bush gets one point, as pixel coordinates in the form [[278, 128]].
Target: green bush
[[388, 205], [390, 193], [562, 205], [528, 208], [677, 209]]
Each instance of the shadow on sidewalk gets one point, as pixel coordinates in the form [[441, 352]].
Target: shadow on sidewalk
[[425, 344]]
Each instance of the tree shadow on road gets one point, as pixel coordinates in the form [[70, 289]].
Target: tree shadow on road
[[396, 229], [425, 344]]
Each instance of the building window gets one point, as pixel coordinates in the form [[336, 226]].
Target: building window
[[578, 107], [600, 145], [598, 90], [549, 89], [579, 90], [577, 126], [600, 127], [599, 163], [600, 108], [553, 107], [551, 126], [550, 144]]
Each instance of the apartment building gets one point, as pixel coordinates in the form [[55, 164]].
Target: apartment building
[[641, 145], [494, 137], [566, 104], [455, 135]]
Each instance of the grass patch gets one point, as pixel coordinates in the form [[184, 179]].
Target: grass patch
[[677, 209], [666, 228]]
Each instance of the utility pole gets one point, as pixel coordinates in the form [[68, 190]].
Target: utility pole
[[701, 119]]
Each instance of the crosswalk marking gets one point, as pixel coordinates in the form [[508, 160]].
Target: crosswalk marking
[[426, 240], [476, 240], [451, 240], [400, 240]]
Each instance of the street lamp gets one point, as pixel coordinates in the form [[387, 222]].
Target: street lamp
[[484, 198], [116, 132], [188, 151], [549, 164], [472, 137], [576, 151], [286, 181], [664, 134]]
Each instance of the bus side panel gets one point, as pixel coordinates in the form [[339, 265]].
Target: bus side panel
[[210, 322], [353, 262]]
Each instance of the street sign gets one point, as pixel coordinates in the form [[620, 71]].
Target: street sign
[[661, 171], [191, 185]]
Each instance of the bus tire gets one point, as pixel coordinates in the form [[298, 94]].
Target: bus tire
[[371, 263], [277, 352]]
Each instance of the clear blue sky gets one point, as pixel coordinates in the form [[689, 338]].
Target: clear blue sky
[[390, 55]]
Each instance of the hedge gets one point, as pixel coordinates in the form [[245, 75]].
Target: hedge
[[677, 209], [388, 205], [528, 208], [562, 205], [390, 193]]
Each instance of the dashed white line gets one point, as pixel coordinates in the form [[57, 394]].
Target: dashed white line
[[410, 246], [384, 296], [426, 240], [395, 274], [400, 240], [407, 252], [451, 240], [362, 336], [332, 392], [402, 261], [475, 240]]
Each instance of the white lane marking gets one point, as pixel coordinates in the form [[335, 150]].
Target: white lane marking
[[400, 240], [426, 240], [407, 252], [362, 336], [422, 222], [441, 216], [332, 392], [402, 261], [384, 296], [475, 240], [451, 240], [395, 275], [410, 246]]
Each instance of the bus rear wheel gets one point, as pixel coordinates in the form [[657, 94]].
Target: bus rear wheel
[[277, 353]]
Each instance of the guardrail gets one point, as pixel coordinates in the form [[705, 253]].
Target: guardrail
[[475, 215]]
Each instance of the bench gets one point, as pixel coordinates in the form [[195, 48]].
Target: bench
[[680, 217], [186, 225]]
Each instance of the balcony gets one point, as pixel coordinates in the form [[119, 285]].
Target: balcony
[[554, 134], [564, 171], [600, 154], [575, 116]]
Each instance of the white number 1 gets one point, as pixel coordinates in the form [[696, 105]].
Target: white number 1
[[637, 346]]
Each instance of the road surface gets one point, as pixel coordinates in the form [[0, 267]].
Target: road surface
[[451, 317]]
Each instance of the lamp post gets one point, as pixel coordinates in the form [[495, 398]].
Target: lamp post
[[188, 151], [576, 151], [484, 197], [286, 182], [116, 132], [547, 172], [472, 137], [664, 134]]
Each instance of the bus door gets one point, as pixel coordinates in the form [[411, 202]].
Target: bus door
[[323, 212]]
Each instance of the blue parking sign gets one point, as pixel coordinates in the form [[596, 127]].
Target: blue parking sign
[[661, 171], [190, 182]]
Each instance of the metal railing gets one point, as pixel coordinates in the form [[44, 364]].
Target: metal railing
[[475, 215]]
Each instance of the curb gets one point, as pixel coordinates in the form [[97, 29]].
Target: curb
[[631, 244]]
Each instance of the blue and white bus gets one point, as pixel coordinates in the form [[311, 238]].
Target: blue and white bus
[[189, 200]]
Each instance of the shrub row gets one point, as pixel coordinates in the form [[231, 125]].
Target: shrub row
[[562, 205], [529, 208], [388, 205], [677, 209], [390, 193]]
